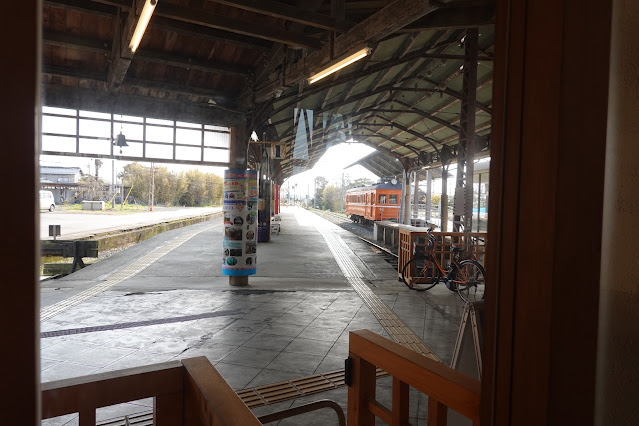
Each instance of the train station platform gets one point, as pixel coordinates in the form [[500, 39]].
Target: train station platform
[[166, 299]]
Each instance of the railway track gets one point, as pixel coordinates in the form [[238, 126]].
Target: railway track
[[363, 232]]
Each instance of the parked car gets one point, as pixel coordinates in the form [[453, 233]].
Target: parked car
[[47, 202]]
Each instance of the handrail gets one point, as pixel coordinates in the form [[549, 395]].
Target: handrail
[[209, 400], [186, 393], [306, 408], [444, 386]]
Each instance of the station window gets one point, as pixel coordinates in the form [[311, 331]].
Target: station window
[[382, 198], [393, 199]]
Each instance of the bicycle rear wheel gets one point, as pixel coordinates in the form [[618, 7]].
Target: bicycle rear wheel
[[471, 281], [423, 272]]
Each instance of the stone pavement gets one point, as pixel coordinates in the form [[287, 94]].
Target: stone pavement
[[292, 321]]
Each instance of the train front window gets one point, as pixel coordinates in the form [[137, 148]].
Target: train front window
[[382, 198], [393, 199]]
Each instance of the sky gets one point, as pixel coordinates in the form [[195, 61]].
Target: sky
[[331, 166]]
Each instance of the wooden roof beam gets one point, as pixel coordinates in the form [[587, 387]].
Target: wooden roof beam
[[290, 13], [108, 8], [455, 18], [220, 97], [383, 23], [121, 54], [210, 34], [99, 46], [142, 106], [359, 7], [252, 29]]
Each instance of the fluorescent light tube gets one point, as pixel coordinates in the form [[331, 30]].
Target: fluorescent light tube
[[145, 17], [330, 69]]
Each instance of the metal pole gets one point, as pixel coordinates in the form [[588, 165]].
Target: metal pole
[[429, 193], [342, 197], [402, 204], [479, 202], [465, 161], [444, 201], [152, 187], [113, 183], [416, 196]]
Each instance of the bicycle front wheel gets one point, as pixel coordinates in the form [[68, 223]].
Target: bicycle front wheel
[[423, 273], [471, 281]]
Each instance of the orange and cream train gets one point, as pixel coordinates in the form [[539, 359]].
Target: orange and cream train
[[375, 202]]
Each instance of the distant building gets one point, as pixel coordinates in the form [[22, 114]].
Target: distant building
[[62, 181]]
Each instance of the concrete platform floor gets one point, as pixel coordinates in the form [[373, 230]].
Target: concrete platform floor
[[166, 299]]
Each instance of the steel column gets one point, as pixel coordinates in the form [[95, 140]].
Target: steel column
[[416, 196], [466, 154], [429, 177]]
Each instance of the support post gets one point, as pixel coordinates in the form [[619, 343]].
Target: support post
[[618, 334], [406, 198], [443, 214], [479, 202], [548, 155], [466, 155], [238, 160], [429, 193], [21, 107], [415, 195]]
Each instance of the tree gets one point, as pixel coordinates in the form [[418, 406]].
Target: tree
[[93, 189], [332, 198], [137, 177], [191, 188]]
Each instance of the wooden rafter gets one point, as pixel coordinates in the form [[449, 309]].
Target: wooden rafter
[[110, 8], [289, 13], [143, 106], [99, 46], [217, 95], [252, 29], [121, 54]]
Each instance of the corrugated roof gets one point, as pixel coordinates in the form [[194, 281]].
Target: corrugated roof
[[47, 170]]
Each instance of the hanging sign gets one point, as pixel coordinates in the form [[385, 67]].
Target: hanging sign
[[239, 254]]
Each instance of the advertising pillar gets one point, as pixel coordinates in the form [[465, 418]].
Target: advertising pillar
[[239, 245]]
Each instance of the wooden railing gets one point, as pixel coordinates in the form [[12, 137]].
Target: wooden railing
[[189, 392], [412, 239], [445, 387]]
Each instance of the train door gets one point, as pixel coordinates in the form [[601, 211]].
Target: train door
[[381, 204]]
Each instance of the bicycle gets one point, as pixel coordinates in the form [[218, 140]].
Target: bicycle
[[467, 276]]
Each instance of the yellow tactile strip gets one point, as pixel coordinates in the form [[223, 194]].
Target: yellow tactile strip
[[123, 274], [291, 389], [393, 325]]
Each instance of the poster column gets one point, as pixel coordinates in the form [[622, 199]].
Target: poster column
[[236, 259]]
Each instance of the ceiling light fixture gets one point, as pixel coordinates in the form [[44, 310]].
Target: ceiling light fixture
[[143, 21], [335, 66]]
